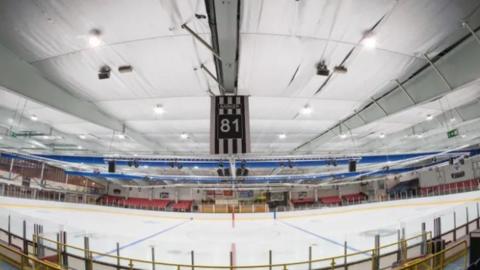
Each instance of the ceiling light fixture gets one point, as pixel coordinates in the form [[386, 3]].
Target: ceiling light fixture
[[10, 120], [184, 136], [381, 135], [369, 40], [282, 136], [79, 147], [121, 136], [429, 117], [1, 138], [419, 136], [94, 38], [158, 109], [322, 69], [453, 119], [306, 110], [343, 135], [81, 136], [104, 72], [34, 117]]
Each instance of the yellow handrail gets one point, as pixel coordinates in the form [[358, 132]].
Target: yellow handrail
[[438, 260], [26, 260], [330, 260]]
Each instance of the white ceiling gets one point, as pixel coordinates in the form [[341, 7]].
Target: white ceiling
[[277, 37]]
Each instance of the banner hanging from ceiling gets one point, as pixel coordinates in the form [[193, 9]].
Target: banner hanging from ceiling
[[229, 125]]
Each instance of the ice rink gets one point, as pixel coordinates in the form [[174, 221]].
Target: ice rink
[[250, 236]]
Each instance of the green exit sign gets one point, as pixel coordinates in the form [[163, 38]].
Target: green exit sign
[[452, 133]]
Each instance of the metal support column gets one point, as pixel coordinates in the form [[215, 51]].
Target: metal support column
[[438, 72], [467, 26], [11, 169], [42, 181]]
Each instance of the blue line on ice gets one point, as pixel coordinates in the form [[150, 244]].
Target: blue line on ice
[[319, 236], [144, 238]]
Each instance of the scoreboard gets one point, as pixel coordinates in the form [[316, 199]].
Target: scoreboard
[[229, 125]]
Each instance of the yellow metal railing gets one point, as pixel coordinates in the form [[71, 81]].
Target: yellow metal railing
[[332, 262], [440, 260], [22, 261]]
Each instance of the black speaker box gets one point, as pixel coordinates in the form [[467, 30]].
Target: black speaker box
[[111, 166]]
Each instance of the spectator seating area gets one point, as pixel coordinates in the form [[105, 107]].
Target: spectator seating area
[[352, 198], [183, 206], [450, 187], [331, 200], [142, 203], [302, 201]]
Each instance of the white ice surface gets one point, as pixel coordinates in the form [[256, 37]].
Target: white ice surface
[[211, 236]]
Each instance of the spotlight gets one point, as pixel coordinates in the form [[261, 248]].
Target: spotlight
[[453, 119], [79, 147], [83, 137], [158, 109], [184, 136], [125, 69], [282, 136], [200, 16], [340, 69], [94, 39], [322, 69], [34, 117], [343, 135], [381, 135], [121, 136], [104, 72], [429, 117], [369, 40], [306, 110]]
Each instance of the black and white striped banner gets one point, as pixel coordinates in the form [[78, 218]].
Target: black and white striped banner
[[229, 125]]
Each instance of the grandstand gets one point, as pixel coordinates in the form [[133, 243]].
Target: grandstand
[[240, 134]]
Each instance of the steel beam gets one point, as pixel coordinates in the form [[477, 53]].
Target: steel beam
[[432, 81], [224, 24], [23, 79]]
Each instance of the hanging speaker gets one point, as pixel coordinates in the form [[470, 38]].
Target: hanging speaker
[[450, 161], [111, 166], [352, 166]]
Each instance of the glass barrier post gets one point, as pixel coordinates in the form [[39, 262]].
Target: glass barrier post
[[9, 231], [345, 255], [467, 219], [86, 247], [399, 247], [424, 240], [376, 253], [64, 249], [118, 256], [130, 265], [25, 240], [478, 216], [59, 251], [270, 259], [332, 264], [153, 258], [192, 255], [310, 258], [454, 226]]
